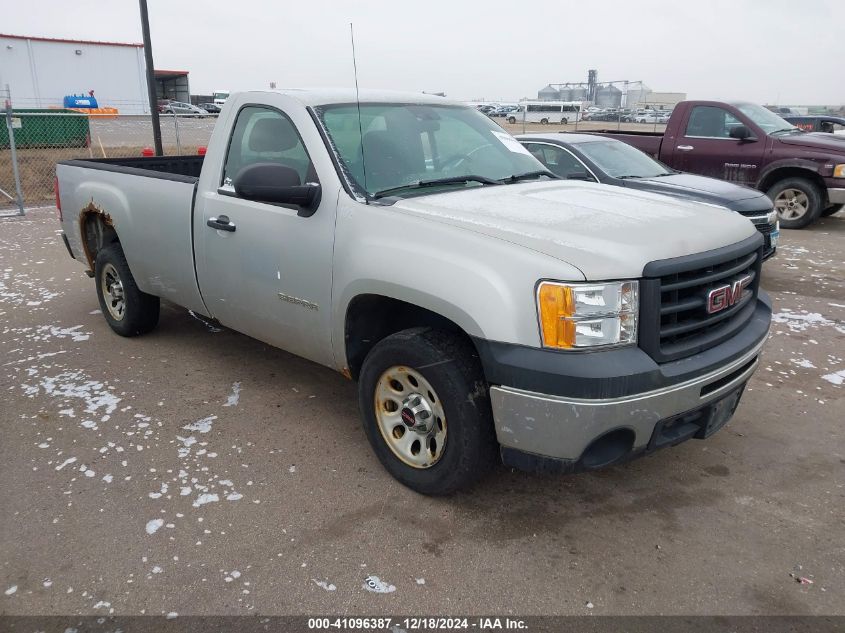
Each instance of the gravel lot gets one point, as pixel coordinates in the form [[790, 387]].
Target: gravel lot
[[198, 471]]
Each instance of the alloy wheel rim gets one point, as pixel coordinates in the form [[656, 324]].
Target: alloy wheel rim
[[113, 295], [410, 417], [792, 204]]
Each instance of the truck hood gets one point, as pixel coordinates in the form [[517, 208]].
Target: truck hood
[[700, 189], [816, 140], [606, 232]]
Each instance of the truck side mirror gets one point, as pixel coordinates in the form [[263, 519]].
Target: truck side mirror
[[741, 133], [278, 184]]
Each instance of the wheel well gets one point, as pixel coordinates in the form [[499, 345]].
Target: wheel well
[[371, 318], [782, 173], [97, 233]]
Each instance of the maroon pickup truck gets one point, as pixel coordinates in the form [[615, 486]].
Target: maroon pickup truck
[[802, 172]]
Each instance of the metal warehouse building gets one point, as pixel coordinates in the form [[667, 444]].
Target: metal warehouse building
[[41, 71]]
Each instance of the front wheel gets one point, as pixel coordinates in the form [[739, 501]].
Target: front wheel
[[798, 202], [544, 121], [511, 120], [426, 410], [835, 208], [128, 311], [564, 121]]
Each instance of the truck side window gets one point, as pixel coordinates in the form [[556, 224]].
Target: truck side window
[[711, 122], [559, 161], [263, 135]]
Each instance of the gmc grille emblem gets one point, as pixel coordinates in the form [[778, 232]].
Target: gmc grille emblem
[[726, 296]]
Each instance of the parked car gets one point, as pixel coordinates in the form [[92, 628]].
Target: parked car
[[818, 123], [180, 108], [802, 172], [211, 108], [612, 162], [503, 111], [650, 116], [461, 292]]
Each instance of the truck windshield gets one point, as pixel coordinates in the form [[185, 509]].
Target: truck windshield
[[767, 120], [620, 160], [442, 146]]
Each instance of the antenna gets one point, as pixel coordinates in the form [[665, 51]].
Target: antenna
[[358, 103]]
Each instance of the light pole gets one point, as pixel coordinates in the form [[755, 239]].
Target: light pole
[[151, 81]]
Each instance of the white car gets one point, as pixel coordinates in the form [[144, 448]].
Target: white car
[[178, 107], [648, 117]]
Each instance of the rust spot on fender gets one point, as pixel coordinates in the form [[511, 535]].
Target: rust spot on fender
[[91, 209]]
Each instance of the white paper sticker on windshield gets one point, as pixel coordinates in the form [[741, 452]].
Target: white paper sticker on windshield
[[510, 142]]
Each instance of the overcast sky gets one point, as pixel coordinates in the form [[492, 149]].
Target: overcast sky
[[768, 51]]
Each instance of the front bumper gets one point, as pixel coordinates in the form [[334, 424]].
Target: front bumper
[[539, 431], [836, 195], [770, 232]]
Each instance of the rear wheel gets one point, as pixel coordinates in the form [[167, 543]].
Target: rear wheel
[[426, 410], [128, 311], [544, 121], [835, 208], [564, 121], [511, 120], [798, 202]]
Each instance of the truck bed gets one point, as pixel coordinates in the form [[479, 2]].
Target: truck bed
[[185, 168], [150, 201]]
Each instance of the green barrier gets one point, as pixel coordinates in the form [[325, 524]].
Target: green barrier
[[46, 128]]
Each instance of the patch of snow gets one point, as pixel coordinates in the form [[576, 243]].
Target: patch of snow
[[205, 498], [69, 460], [201, 426], [235, 396], [803, 362], [11, 590], [322, 584], [154, 525], [836, 378]]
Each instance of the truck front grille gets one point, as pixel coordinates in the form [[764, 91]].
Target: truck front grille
[[678, 315]]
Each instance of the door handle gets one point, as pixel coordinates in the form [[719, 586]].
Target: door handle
[[685, 148], [221, 223]]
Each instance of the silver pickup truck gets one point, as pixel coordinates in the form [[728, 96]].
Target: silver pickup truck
[[487, 309]]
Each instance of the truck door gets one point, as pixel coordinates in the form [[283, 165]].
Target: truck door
[[705, 146], [265, 269]]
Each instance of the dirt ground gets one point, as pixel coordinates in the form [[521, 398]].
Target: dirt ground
[[198, 471]]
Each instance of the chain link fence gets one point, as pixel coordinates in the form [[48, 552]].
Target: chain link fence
[[35, 140]]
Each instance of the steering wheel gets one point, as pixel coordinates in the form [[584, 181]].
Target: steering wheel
[[453, 162]]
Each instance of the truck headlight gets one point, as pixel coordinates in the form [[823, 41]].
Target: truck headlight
[[576, 316], [839, 171]]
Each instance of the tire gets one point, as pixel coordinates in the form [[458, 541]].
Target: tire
[[798, 202], [564, 121], [544, 121], [137, 313], [511, 120], [835, 208], [452, 390]]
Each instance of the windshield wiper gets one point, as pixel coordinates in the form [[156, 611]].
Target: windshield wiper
[[629, 176], [529, 175], [787, 130], [421, 184]]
